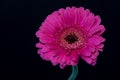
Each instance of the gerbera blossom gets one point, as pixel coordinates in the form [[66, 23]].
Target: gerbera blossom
[[69, 34]]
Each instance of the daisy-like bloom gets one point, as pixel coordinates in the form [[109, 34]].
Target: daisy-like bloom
[[69, 34]]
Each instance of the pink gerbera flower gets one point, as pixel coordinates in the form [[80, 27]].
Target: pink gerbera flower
[[69, 34]]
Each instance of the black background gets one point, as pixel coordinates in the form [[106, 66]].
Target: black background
[[20, 19]]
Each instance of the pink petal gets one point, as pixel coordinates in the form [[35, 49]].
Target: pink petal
[[100, 47], [50, 27], [68, 17], [89, 22], [84, 16], [79, 15], [73, 58], [87, 51], [97, 22], [41, 33], [95, 54], [87, 59], [64, 59], [51, 54], [96, 40], [45, 49], [57, 58], [39, 45], [54, 21], [98, 30], [45, 37], [93, 64], [47, 40], [39, 51]]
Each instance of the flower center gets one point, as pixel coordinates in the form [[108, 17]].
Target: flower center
[[72, 38]]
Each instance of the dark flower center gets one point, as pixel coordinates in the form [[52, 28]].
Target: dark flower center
[[72, 38]]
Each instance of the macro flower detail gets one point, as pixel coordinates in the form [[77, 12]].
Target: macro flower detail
[[70, 34]]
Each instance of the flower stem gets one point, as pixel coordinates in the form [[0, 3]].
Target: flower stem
[[74, 73]]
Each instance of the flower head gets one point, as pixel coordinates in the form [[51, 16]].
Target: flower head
[[69, 34]]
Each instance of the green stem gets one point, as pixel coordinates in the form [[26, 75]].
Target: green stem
[[74, 73]]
